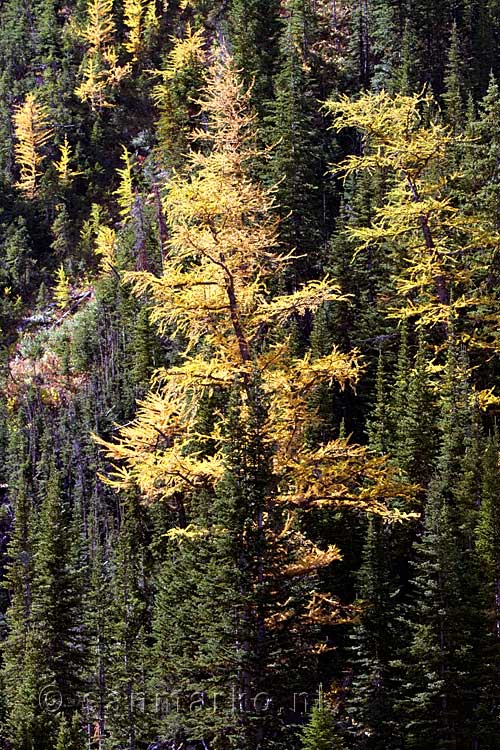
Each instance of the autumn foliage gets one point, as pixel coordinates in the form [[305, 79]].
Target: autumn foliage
[[215, 295]]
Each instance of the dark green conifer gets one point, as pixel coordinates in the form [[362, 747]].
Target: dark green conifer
[[294, 128], [414, 415], [371, 704], [253, 32], [126, 629], [56, 635], [448, 663], [454, 84], [379, 427]]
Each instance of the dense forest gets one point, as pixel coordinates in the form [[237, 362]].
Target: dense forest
[[249, 305]]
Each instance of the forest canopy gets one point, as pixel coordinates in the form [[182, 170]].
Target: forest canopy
[[249, 304]]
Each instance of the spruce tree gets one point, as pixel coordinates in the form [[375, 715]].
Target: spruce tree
[[18, 677], [454, 84], [371, 705], [253, 32], [488, 530], [126, 630], [56, 634], [294, 130], [448, 661], [413, 414]]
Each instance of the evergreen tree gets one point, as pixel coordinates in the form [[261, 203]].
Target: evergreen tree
[[374, 647], [253, 32], [414, 415], [379, 427], [320, 733], [450, 642], [454, 84], [18, 677], [374, 42], [70, 736], [58, 594], [294, 129], [126, 629], [488, 529]]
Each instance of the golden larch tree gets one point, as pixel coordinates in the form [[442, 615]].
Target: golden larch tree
[[214, 293], [63, 165], [33, 132], [100, 72], [125, 191], [446, 253], [141, 20], [99, 31]]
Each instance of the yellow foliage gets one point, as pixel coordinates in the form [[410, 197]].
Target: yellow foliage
[[100, 72], [444, 251], [115, 73], [125, 191], [487, 399], [140, 19], [100, 28], [61, 289], [94, 85], [185, 53], [105, 249], [63, 165], [313, 560], [33, 132], [100, 75], [133, 11], [190, 532], [214, 291], [323, 609]]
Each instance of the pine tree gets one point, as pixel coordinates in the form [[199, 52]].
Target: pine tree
[[374, 41], [98, 602], [19, 680], [454, 84], [431, 23], [218, 303], [444, 663], [482, 184], [70, 736], [488, 529], [405, 76], [175, 97], [450, 642], [379, 426], [56, 635], [61, 232], [215, 302], [414, 415]]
